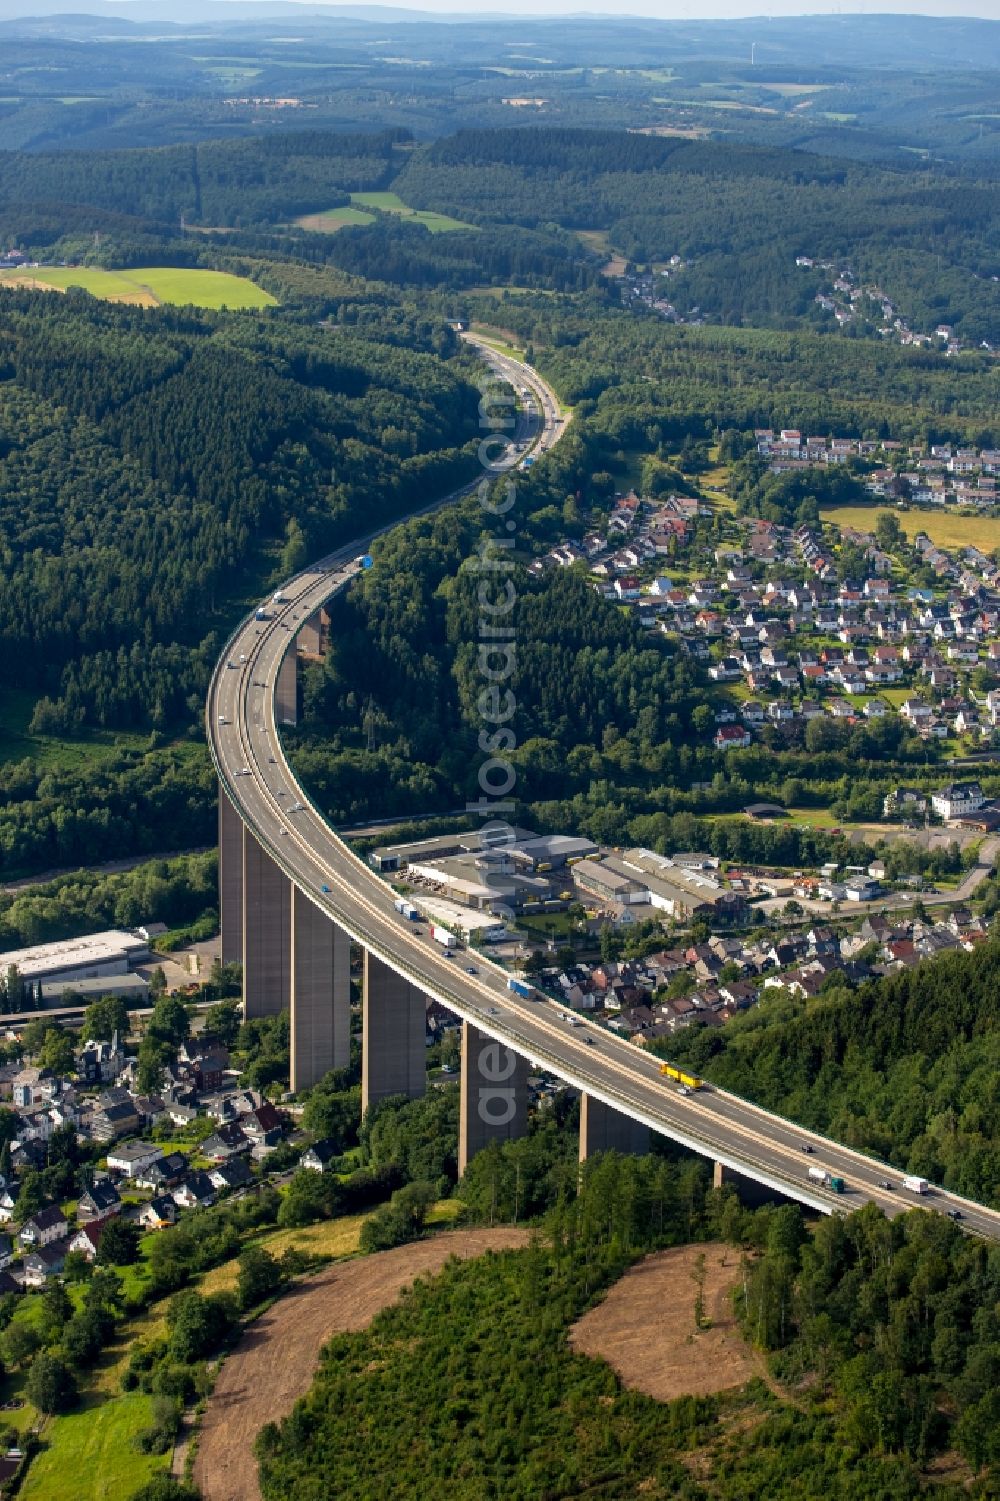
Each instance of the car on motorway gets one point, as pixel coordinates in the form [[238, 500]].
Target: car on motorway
[[955, 1214], [590, 1042], [223, 719], [806, 1146], [449, 953], [231, 666], [884, 1183], [297, 807], [325, 888], [470, 969], [684, 1089], [282, 831]]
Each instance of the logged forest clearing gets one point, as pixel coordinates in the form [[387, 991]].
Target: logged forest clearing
[[648, 1327], [275, 1362]]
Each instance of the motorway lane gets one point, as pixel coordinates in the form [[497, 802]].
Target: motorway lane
[[712, 1122]]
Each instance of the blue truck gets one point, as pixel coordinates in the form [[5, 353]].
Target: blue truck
[[522, 988]]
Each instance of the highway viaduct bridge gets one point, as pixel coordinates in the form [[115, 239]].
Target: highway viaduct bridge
[[293, 898]]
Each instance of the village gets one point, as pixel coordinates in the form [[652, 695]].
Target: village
[[786, 637], [848, 302], [145, 1159]]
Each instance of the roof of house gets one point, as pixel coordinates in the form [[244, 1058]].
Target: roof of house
[[324, 1149], [51, 1257], [101, 1194], [46, 1218], [234, 1173]]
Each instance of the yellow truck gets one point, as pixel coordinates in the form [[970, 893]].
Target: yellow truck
[[689, 1081]]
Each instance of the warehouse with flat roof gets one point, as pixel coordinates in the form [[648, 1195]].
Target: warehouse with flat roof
[[90, 958]]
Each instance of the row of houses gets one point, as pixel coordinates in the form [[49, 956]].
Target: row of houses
[[706, 984]]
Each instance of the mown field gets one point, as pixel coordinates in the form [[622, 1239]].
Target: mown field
[[335, 218], [148, 286], [946, 528], [391, 203]]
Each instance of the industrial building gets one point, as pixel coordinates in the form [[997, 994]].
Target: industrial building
[[487, 881], [71, 959], [392, 857], [609, 882], [466, 921], [133, 988]]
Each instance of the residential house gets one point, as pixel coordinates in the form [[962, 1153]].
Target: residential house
[[906, 800], [133, 1157], [43, 1228], [957, 800], [43, 1262], [164, 1172], [229, 1141], [87, 1240], [732, 737], [319, 1156], [98, 1202], [236, 1173], [197, 1191], [158, 1213]]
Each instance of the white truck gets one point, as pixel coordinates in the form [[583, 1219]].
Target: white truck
[[441, 935], [407, 909], [916, 1185], [827, 1179]]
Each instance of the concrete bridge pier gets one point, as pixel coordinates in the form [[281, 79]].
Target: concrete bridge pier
[[310, 637], [494, 1094], [320, 972], [394, 1048], [286, 692], [230, 879], [748, 1190], [605, 1130], [267, 913]]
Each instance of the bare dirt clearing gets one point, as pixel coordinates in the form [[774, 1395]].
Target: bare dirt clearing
[[274, 1363], [645, 1328]]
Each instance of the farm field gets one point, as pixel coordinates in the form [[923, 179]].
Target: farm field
[[391, 203], [946, 529], [335, 218], [148, 286]]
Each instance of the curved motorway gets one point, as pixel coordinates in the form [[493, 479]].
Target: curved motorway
[[245, 743]]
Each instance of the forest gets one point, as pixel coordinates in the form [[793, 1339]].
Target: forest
[[154, 469], [865, 91], [737, 215], [236, 182], [643, 382]]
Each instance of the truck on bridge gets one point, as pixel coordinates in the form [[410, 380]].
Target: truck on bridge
[[523, 989], [679, 1076], [827, 1180]]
